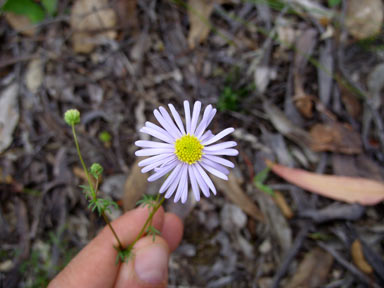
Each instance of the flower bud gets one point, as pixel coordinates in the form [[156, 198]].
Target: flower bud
[[72, 117], [96, 170]]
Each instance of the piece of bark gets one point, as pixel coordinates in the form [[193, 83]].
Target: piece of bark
[[135, 186]]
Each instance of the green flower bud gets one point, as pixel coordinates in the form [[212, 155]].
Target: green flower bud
[[72, 117], [96, 170]]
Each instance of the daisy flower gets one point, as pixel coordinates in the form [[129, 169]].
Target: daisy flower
[[186, 152]]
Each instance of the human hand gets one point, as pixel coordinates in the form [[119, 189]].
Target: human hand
[[95, 265]]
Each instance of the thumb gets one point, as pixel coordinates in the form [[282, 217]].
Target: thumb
[[148, 267]]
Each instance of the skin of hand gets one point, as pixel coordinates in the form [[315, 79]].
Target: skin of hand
[[95, 265]]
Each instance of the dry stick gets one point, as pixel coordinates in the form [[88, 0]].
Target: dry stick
[[362, 93], [290, 255], [350, 267]]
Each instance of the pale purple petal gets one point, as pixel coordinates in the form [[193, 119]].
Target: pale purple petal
[[158, 129], [195, 187], [184, 196], [215, 165], [219, 160], [173, 186], [187, 116], [165, 124], [169, 121], [214, 171], [213, 113], [195, 116], [167, 162], [206, 136], [203, 123], [227, 152], [152, 144], [177, 118], [203, 186], [217, 137], [153, 159], [153, 151], [206, 178], [156, 134], [209, 119], [183, 185], [220, 146], [159, 163], [171, 178], [162, 172]]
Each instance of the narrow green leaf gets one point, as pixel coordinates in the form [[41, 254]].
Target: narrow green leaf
[[266, 189], [262, 176]]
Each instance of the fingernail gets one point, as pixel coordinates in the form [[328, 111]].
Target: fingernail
[[151, 264]]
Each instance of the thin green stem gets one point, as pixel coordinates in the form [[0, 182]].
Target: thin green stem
[[82, 162], [151, 214], [121, 247], [93, 191]]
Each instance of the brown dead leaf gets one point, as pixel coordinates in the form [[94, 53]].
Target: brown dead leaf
[[364, 18], [350, 101], [20, 23], [358, 257], [93, 22], [313, 270], [126, 12], [304, 103], [233, 191], [347, 189], [335, 137], [199, 12], [282, 204], [135, 186]]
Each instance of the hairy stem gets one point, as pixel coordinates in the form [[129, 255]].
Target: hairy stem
[[82, 162], [121, 247], [151, 214]]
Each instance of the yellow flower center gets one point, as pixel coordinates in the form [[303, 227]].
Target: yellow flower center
[[188, 149]]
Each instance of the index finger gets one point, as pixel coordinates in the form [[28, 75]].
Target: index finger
[[95, 265]]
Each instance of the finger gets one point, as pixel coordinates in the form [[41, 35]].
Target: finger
[[95, 265], [172, 230], [148, 267]]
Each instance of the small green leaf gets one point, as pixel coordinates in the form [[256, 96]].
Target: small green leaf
[[147, 200], [262, 176], [105, 137], [265, 189], [28, 8], [123, 255], [319, 236], [87, 191], [151, 230], [50, 6], [96, 170], [333, 3], [101, 205]]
